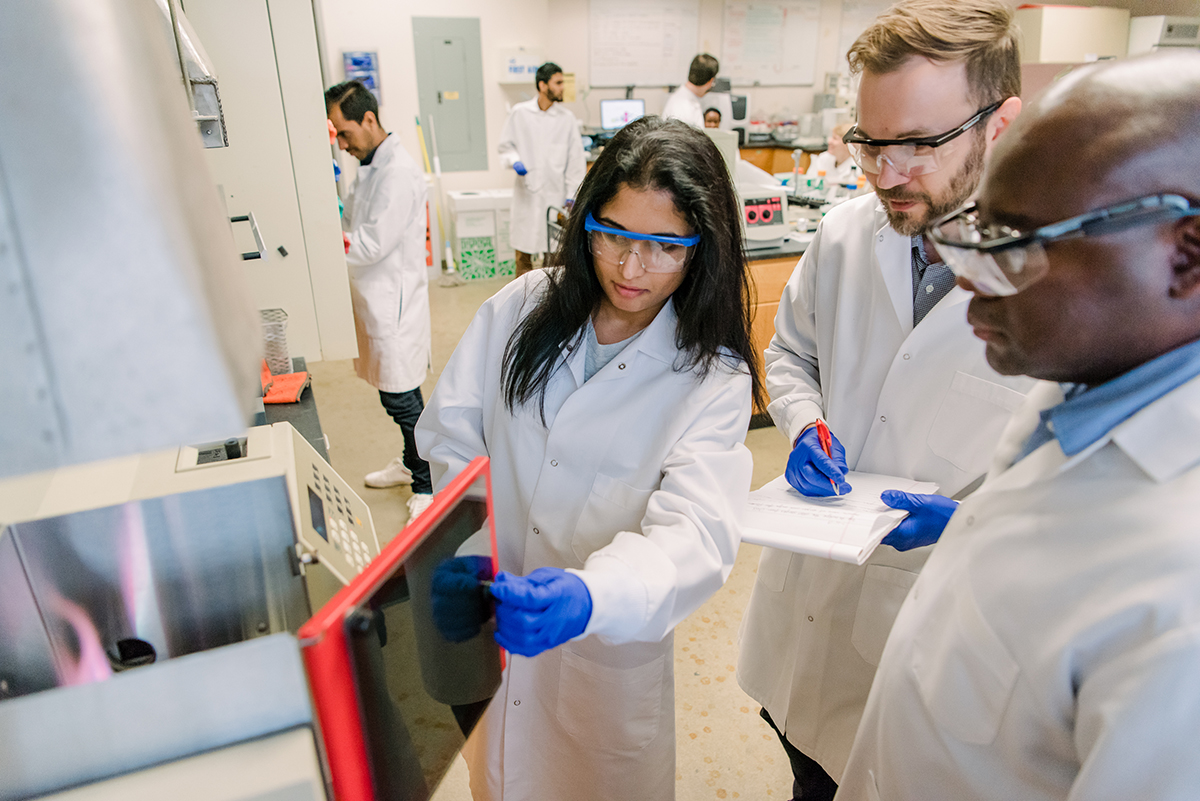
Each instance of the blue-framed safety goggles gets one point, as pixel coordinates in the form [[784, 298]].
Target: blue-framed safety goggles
[[657, 254]]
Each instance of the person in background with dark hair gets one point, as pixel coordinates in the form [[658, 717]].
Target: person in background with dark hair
[[384, 224], [684, 102], [712, 118], [871, 336], [542, 145], [612, 394]]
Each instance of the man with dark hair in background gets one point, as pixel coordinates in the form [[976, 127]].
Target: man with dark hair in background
[[684, 102], [384, 226], [871, 336], [542, 145]]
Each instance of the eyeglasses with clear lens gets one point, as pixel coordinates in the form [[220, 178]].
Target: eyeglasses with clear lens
[[909, 157], [1000, 260], [656, 254]]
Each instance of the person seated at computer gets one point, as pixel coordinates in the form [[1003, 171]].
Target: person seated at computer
[[835, 161], [612, 395], [712, 118]]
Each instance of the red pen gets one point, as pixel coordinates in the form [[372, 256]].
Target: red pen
[[826, 440]]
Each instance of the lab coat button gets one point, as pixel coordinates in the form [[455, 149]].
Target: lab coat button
[[810, 618], [882, 418], [517, 703], [621, 366], [554, 463], [907, 356], [971, 520], [536, 531]]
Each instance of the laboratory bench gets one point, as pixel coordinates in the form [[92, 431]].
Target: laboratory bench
[[770, 270]]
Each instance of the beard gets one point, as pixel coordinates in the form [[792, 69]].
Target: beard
[[960, 188]]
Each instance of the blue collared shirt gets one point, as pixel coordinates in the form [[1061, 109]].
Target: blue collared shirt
[[1088, 413]]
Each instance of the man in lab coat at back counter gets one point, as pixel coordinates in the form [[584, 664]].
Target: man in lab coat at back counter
[[1051, 647], [385, 221], [541, 143], [684, 102], [871, 335]]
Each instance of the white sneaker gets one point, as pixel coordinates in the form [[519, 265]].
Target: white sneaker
[[393, 475], [418, 503]]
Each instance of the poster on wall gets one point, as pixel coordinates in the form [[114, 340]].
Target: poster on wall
[[642, 42], [363, 65], [770, 43]]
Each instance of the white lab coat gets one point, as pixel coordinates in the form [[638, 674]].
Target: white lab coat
[[389, 285], [549, 145], [635, 482], [1051, 647], [914, 402], [683, 104]]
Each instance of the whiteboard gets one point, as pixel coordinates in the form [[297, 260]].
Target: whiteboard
[[771, 44], [642, 42]]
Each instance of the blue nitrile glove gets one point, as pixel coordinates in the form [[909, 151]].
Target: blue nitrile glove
[[520, 168], [535, 613], [460, 603], [927, 517], [809, 469]]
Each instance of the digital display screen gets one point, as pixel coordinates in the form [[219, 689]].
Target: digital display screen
[[616, 114], [316, 510], [420, 693]]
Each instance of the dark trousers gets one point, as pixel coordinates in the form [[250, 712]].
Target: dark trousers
[[405, 408], [810, 782]]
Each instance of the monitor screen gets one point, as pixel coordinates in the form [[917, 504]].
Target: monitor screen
[[616, 114], [417, 693]]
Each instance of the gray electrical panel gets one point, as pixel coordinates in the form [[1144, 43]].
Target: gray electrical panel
[[450, 90]]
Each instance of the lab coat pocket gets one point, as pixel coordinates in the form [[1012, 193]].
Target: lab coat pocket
[[613, 506], [773, 568], [973, 413], [883, 591], [614, 710], [965, 673]]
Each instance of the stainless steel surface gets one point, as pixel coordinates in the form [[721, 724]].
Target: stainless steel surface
[[152, 715], [125, 323], [184, 573], [198, 75]]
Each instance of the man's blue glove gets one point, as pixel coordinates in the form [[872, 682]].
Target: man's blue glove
[[460, 603], [535, 613], [520, 168], [927, 517], [809, 470]]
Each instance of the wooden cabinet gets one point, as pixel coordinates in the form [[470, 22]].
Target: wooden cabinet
[[773, 159], [770, 276]]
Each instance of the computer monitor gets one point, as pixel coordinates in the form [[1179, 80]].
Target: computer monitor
[[396, 699], [616, 114]]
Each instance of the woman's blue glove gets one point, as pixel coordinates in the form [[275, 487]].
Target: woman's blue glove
[[460, 603], [927, 517], [520, 168], [535, 613], [809, 470]]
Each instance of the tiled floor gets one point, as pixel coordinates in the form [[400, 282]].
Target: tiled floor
[[725, 750]]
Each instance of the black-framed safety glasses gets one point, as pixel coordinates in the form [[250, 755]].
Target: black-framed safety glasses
[[1000, 260], [909, 157]]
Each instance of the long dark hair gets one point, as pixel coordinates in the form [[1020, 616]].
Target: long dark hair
[[713, 302]]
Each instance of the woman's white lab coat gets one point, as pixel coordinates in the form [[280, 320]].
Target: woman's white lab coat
[[1050, 648], [635, 482], [548, 144], [915, 402], [389, 283]]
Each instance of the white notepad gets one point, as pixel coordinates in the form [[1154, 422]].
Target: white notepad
[[846, 528]]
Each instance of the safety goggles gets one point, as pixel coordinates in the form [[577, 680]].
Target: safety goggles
[[657, 254], [999, 260], [909, 157]]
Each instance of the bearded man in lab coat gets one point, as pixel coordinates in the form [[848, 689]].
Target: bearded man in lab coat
[[542, 145], [1049, 649], [384, 225], [871, 336], [684, 102]]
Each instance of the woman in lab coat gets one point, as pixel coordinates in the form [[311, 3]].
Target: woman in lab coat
[[613, 402]]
